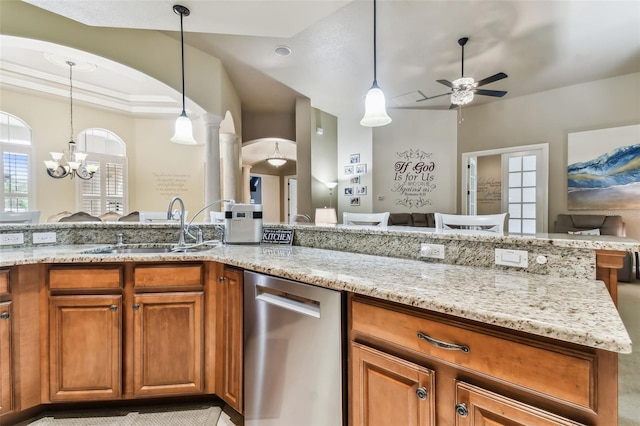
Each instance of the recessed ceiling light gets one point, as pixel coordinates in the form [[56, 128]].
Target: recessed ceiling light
[[282, 50]]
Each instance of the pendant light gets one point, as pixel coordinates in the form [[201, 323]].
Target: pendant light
[[184, 129], [375, 112], [276, 159]]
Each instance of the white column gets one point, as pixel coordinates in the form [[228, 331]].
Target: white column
[[230, 163], [211, 160], [246, 191]]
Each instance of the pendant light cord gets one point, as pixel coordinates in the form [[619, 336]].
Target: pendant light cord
[[71, 64], [182, 52], [375, 79]]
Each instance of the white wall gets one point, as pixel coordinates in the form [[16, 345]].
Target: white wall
[[404, 182], [549, 117]]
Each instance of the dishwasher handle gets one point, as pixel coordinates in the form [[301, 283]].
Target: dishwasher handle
[[292, 302]]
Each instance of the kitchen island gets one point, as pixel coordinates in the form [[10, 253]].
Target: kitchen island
[[566, 318]]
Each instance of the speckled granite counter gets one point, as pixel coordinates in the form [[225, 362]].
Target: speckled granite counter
[[573, 310]]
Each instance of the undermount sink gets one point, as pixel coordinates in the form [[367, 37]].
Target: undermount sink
[[149, 250], [137, 250]]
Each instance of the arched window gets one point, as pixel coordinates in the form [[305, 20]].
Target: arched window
[[107, 191], [15, 163]]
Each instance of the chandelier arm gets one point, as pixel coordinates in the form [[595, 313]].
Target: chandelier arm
[[59, 173]]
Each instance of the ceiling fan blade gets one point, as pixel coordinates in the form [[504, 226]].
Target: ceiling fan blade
[[453, 106], [497, 93], [426, 98], [446, 83], [491, 79]]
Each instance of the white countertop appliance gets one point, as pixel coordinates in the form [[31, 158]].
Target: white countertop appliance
[[243, 223]]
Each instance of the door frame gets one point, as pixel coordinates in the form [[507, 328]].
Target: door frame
[[541, 189]]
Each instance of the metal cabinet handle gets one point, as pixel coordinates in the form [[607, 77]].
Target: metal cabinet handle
[[136, 307], [113, 308], [5, 315], [221, 279], [461, 409], [444, 345], [422, 393]]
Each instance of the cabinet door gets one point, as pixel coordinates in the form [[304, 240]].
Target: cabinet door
[[389, 391], [229, 374], [6, 367], [85, 337], [168, 343], [477, 406]]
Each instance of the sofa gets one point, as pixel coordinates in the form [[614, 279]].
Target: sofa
[[593, 224], [425, 220]]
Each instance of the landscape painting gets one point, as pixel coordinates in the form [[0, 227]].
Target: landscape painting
[[604, 169]]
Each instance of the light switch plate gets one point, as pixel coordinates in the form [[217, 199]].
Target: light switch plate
[[517, 258], [432, 251]]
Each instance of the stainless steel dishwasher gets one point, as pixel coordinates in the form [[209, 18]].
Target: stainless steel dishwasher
[[293, 352]]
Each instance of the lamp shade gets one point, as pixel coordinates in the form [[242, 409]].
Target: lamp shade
[[326, 217], [375, 112], [184, 131]]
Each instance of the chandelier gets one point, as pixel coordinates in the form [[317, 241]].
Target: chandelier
[[276, 159], [70, 162]]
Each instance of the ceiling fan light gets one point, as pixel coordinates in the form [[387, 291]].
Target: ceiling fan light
[[375, 112], [461, 97], [184, 131], [464, 83]]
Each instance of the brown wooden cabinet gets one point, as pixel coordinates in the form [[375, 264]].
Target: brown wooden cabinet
[[85, 347], [478, 374], [229, 374], [168, 343], [6, 365], [388, 390]]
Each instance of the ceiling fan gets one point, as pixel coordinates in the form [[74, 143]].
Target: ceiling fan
[[464, 88]]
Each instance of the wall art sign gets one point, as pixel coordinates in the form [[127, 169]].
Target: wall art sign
[[603, 171], [277, 236], [414, 178]]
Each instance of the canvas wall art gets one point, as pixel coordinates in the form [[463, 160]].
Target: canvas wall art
[[604, 169]]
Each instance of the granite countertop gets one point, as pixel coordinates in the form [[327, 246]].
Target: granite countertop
[[572, 310]]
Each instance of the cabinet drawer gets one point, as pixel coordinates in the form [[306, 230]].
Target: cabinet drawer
[[556, 371], [68, 278], [477, 406], [4, 282], [168, 275]]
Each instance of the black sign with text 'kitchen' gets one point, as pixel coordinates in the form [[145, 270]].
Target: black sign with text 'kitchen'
[[277, 236]]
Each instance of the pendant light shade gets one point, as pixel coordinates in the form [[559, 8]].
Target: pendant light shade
[[375, 110], [184, 129]]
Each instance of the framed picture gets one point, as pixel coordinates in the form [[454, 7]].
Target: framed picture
[[361, 169], [361, 190], [354, 158], [355, 201], [348, 170], [603, 170], [348, 190], [355, 180]]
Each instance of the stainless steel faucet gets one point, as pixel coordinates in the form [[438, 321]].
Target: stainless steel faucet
[[181, 238]]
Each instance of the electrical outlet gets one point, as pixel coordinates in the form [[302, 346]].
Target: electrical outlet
[[44, 237], [11, 239], [432, 251], [517, 258]]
